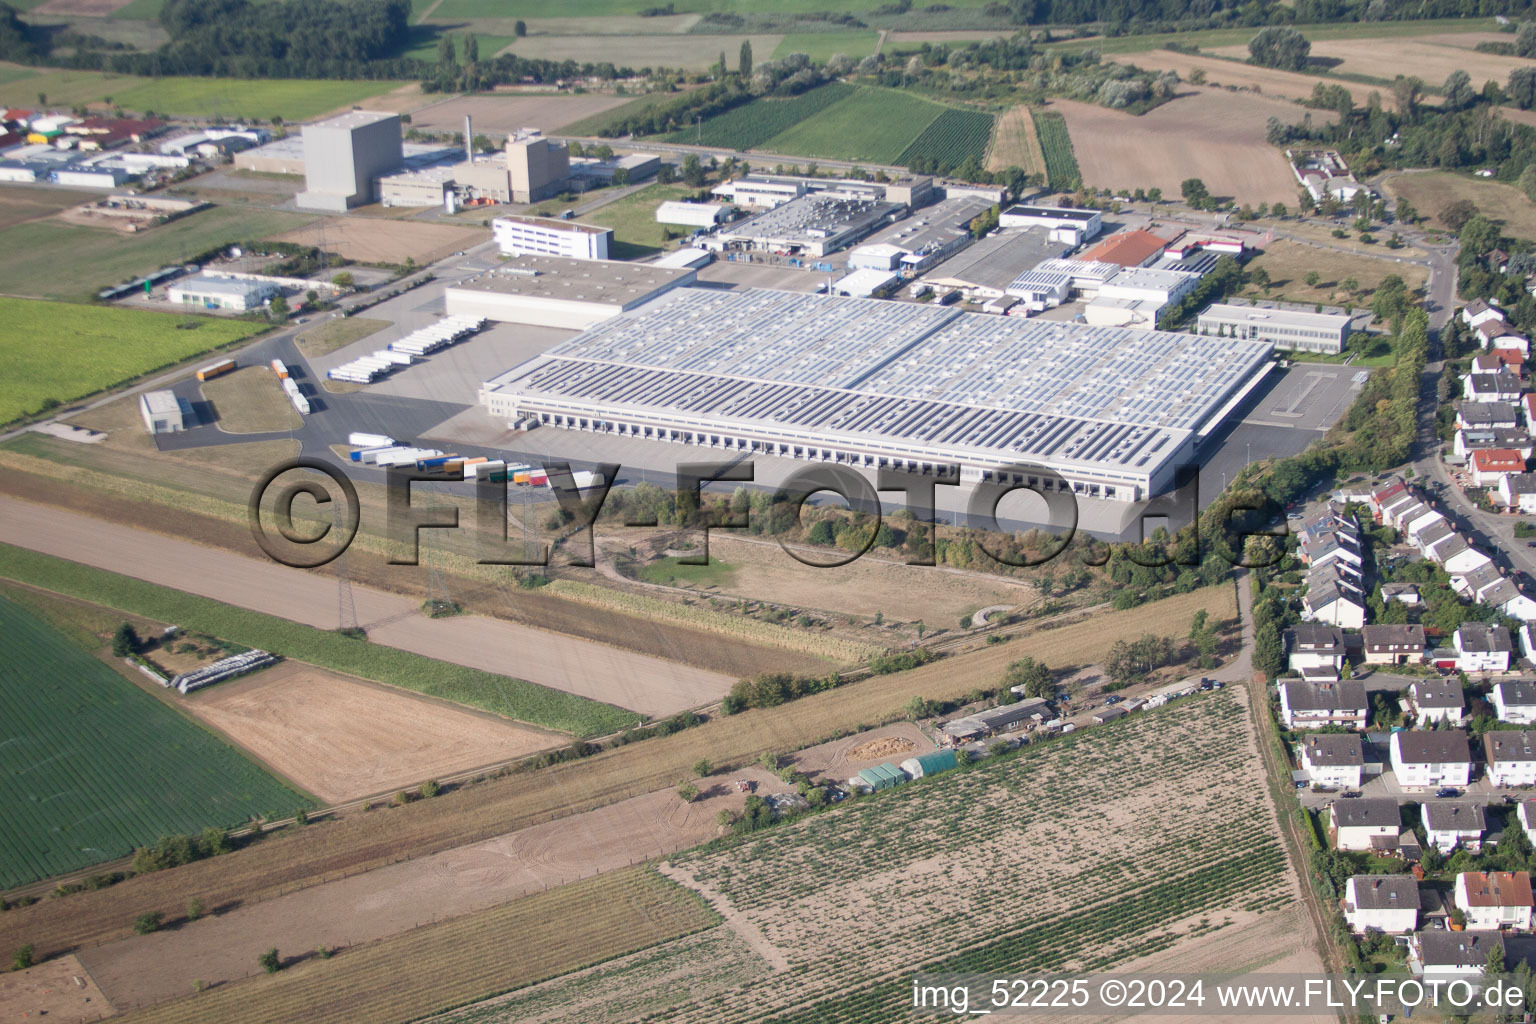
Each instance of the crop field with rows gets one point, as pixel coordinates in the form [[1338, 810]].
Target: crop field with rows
[[873, 124], [1060, 162], [956, 134], [1052, 859], [94, 766], [752, 124]]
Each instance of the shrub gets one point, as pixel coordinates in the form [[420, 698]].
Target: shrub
[[702, 767], [688, 792], [22, 958], [194, 909], [270, 961], [430, 788], [146, 923]]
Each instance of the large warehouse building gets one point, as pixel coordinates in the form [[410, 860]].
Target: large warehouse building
[[554, 291], [868, 384], [345, 155]]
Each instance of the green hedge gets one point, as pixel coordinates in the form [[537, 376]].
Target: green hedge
[[501, 695]]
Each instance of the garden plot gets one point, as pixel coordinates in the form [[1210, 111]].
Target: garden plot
[[1056, 859]]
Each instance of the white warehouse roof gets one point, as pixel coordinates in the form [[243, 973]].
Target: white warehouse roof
[[917, 381]]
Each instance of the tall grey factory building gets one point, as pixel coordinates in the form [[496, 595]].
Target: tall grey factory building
[[870, 384], [344, 155]]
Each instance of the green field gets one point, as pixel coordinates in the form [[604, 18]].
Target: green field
[[94, 766], [873, 124], [633, 219], [146, 10], [954, 136], [52, 260], [1208, 38], [752, 124], [294, 99], [423, 41], [64, 351], [453, 10], [820, 45], [1060, 162], [500, 695], [672, 571]]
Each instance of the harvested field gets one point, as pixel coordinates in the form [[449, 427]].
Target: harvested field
[[1387, 58], [1432, 191], [327, 851], [393, 900], [1288, 264], [200, 494], [1515, 114], [547, 934], [342, 738], [604, 673], [1268, 81], [1207, 133], [18, 205], [1015, 143], [59, 989], [251, 401], [672, 51], [386, 241], [501, 114], [1044, 860], [761, 570]]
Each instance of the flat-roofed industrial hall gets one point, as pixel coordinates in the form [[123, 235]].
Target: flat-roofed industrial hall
[[870, 384]]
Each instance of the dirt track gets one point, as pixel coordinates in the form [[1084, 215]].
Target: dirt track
[[649, 685]]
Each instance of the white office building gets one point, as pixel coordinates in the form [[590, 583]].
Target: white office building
[[548, 236]]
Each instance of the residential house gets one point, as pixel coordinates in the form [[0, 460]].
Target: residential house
[[1443, 957], [1414, 527], [1385, 495], [1452, 823], [1403, 593], [1495, 899], [1479, 312], [1517, 492], [1434, 536], [1514, 701], [1364, 824], [1382, 903], [1526, 813], [1393, 645], [1320, 549], [1527, 641], [1501, 335], [1427, 759], [1333, 602], [1455, 555], [1313, 705], [1471, 439], [1334, 760], [1508, 599], [1472, 585], [1401, 508], [1527, 407], [1503, 386], [1315, 646], [1510, 757], [1486, 415], [1482, 648], [1437, 700], [1489, 465]]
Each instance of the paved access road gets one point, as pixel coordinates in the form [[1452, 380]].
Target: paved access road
[[642, 683]]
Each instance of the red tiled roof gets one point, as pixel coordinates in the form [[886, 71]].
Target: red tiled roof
[[1128, 248], [1497, 460], [1499, 889]]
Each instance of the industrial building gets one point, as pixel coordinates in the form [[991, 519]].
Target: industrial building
[[547, 236], [1064, 223], [539, 167], [1135, 296], [211, 292], [867, 283], [591, 172], [1296, 329], [553, 291], [1139, 248], [345, 155], [764, 191], [989, 268], [814, 225], [163, 412], [871, 384], [1052, 282], [922, 241], [694, 215]]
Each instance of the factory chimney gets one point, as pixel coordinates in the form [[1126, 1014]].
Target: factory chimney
[[469, 141]]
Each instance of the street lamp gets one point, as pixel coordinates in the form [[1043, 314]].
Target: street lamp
[[1249, 446]]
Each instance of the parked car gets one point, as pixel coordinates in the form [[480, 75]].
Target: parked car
[[1350, 794], [1113, 699], [1445, 792]]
